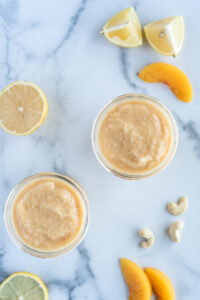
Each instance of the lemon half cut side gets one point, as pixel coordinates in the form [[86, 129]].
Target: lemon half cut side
[[23, 108], [23, 286]]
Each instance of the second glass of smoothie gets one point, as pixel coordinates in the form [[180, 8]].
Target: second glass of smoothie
[[47, 214], [134, 136]]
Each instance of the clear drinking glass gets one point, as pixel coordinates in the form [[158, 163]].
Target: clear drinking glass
[[8, 215], [102, 114]]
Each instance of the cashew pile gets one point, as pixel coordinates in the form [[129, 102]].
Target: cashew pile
[[148, 237], [174, 229], [178, 208]]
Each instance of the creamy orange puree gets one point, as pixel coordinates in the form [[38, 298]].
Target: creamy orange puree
[[48, 214], [135, 136]]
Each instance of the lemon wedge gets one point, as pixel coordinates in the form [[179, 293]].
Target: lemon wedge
[[166, 36], [124, 29], [23, 286], [23, 108]]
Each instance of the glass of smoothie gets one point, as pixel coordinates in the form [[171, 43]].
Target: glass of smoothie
[[47, 214], [134, 136]]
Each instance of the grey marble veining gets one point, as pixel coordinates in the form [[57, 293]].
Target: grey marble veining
[[193, 133], [57, 45], [73, 22]]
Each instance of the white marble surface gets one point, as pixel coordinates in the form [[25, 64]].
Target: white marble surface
[[57, 45]]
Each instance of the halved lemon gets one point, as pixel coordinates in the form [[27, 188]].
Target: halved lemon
[[23, 286], [23, 108], [124, 29], [166, 36]]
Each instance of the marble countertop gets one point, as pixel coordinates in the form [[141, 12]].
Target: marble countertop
[[57, 45]]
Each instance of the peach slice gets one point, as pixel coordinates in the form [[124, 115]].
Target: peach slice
[[172, 76], [161, 284], [136, 279]]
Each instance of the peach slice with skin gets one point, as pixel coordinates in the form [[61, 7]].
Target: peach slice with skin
[[136, 279], [172, 76], [161, 284]]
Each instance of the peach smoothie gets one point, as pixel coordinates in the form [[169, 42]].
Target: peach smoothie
[[48, 214], [134, 136]]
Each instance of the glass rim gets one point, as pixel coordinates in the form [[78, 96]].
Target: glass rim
[[10, 224], [134, 97]]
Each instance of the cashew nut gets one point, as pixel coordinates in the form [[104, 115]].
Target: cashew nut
[[174, 231], [178, 208], [148, 236]]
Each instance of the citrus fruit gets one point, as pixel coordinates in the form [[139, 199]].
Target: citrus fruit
[[23, 108], [137, 281], [124, 29], [161, 284], [166, 36], [23, 286], [172, 76]]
